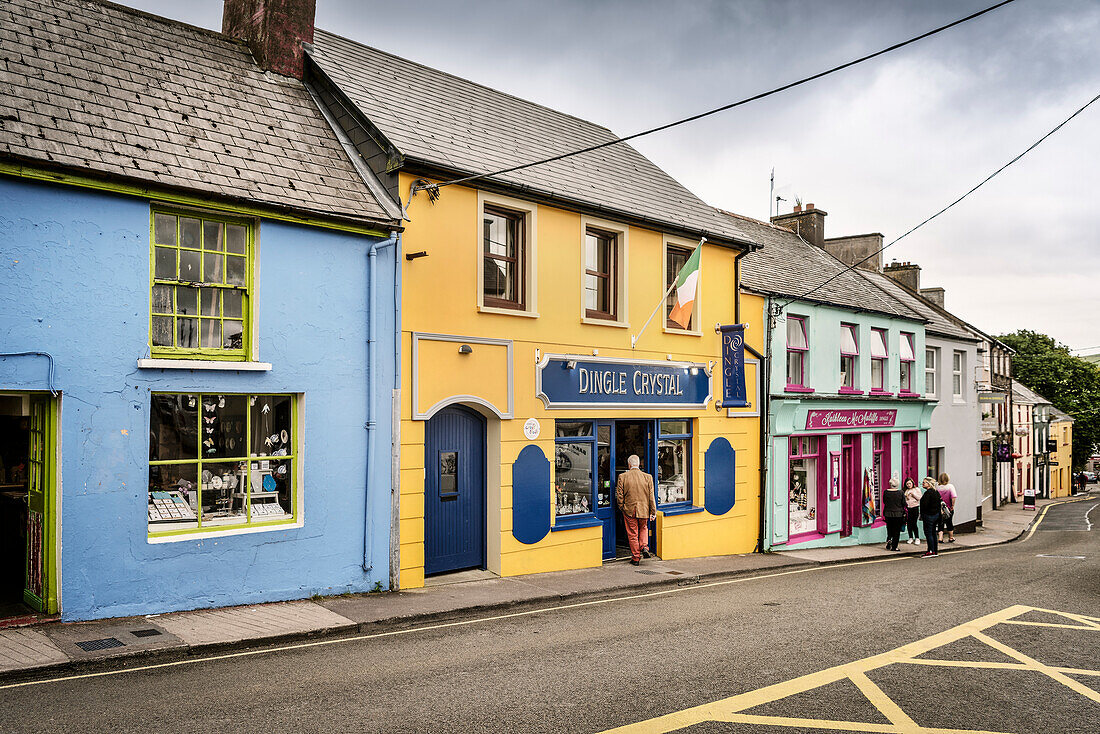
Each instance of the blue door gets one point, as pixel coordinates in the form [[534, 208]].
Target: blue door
[[454, 501]]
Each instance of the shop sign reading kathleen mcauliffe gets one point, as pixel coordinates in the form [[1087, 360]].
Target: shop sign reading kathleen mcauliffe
[[564, 381], [858, 418]]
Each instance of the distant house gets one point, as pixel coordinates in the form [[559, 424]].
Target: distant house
[[198, 322], [1061, 454]]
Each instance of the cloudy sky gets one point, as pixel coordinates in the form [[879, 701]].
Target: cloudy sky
[[879, 147]]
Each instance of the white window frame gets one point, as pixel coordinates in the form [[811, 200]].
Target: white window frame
[[530, 211], [931, 365], [957, 373], [697, 311], [622, 274]]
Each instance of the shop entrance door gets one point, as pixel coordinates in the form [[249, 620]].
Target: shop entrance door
[[851, 491], [454, 491], [27, 474], [631, 437], [909, 456]]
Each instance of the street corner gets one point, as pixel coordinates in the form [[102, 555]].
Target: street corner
[[998, 673]]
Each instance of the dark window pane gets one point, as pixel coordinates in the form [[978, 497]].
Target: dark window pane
[[669, 428], [235, 238], [187, 301], [213, 236], [272, 433], [212, 268], [189, 265], [448, 472], [232, 334], [211, 336], [231, 303], [166, 263], [190, 232], [162, 299], [164, 229], [173, 427], [162, 331], [187, 333], [208, 301], [564, 429], [234, 270]]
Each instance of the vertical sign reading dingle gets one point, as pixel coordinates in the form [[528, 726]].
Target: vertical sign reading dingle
[[733, 366]]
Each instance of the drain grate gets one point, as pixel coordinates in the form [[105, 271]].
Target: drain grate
[[105, 644], [145, 633], [651, 573]]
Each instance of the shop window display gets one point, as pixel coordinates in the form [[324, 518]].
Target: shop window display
[[674, 462], [803, 477], [219, 461], [574, 452]]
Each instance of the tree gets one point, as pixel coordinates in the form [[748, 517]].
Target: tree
[[1070, 383]]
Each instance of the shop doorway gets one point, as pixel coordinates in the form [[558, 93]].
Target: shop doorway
[[27, 500], [624, 438], [454, 491], [851, 488]]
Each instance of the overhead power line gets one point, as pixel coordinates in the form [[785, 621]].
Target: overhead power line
[[983, 182], [716, 110]]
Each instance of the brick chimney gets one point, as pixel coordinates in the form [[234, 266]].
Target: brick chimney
[[273, 29], [809, 224], [935, 295], [908, 274]]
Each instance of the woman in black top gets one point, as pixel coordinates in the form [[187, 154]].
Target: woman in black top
[[930, 514], [893, 509]]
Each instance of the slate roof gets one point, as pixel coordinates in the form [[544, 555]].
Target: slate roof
[[789, 266], [108, 90], [447, 122], [938, 324], [1021, 393], [1058, 416]]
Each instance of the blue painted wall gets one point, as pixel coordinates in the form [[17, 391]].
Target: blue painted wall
[[74, 268]]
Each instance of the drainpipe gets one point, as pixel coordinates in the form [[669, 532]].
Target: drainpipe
[[762, 370], [372, 321], [765, 416]]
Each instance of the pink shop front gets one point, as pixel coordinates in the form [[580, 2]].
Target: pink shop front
[[829, 462]]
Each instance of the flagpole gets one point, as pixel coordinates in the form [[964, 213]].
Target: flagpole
[[634, 339]]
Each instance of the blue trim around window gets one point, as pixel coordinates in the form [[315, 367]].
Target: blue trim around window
[[577, 519], [685, 506], [679, 508], [572, 522]]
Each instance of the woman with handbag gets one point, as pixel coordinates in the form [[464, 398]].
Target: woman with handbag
[[893, 510], [930, 515], [912, 506], [948, 497]]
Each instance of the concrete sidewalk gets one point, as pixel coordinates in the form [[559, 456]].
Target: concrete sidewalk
[[53, 647]]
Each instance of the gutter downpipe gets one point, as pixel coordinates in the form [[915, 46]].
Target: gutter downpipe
[[763, 372], [372, 330]]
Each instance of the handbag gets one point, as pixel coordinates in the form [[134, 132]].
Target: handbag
[[945, 510]]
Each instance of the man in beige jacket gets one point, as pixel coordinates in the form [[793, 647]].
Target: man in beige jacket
[[634, 493]]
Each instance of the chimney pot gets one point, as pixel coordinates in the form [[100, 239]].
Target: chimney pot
[[809, 207], [797, 208]]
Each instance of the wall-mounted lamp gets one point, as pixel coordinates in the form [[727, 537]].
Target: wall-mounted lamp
[[465, 349], [694, 370], [415, 255], [571, 364]]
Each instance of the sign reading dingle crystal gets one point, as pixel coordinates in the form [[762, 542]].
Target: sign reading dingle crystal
[[733, 366], [826, 419], [565, 382]]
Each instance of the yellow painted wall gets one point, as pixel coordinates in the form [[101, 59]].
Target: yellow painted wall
[[1061, 476], [440, 297]]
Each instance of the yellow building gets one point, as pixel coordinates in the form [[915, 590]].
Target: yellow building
[[522, 391], [1061, 459]]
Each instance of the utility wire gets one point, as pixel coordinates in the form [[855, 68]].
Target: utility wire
[[723, 108], [984, 181]]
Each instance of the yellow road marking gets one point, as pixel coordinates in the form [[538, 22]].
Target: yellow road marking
[[733, 709], [1089, 628]]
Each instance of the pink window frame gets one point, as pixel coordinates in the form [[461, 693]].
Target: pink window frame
[[845, 389], [902, 389], [884, 474], [822, 490], [885, 361], [800, 386]]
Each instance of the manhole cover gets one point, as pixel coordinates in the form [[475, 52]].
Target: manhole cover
[[145, 633], [105, 644]]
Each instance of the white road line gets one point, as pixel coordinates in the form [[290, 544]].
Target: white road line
[[1087, 521]]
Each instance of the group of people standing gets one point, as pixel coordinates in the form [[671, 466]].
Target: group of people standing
[[932, 504]]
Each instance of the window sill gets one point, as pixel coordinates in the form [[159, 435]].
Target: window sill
[[203, 364], [682, 332], [907, 394], [672, 510], [849, 391], [803, 538], [573, 523], [507, 312], [882, 393], [798, 388], [605, 322], [237, 530]]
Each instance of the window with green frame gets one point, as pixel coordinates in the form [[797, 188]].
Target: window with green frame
[[201, 286], [220, 461]]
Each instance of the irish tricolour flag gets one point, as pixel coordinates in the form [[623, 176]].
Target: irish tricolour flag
[[687, 283]]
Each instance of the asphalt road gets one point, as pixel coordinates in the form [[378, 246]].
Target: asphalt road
[[592, 667]]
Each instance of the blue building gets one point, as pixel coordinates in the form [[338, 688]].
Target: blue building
[[844, 405], [197, 318]]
